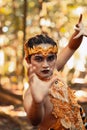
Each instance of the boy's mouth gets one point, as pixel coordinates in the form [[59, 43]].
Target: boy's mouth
[[45, 71]]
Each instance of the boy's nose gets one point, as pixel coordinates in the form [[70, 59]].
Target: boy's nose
[[45, 64]]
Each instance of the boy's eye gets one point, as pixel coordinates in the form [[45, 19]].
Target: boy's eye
[[51, 58], [39, 58]]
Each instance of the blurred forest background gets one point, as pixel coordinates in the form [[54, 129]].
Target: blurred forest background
[[21, 19]]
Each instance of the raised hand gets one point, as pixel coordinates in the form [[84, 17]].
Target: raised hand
[[39, 88], [77, 37], [81, 28]]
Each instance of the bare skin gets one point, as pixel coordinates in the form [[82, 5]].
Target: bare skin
[[44, 118], [63, 57], [68, 51], [36, 100]]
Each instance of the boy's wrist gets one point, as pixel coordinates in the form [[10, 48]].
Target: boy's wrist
[[74, 43]]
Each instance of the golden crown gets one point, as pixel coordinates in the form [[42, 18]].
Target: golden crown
[[38, 49]]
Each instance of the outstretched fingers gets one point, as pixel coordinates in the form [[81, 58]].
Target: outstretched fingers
[[31, 71], [82, 31], [80, 19]]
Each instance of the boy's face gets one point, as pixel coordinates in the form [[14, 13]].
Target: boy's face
[[44, 64]]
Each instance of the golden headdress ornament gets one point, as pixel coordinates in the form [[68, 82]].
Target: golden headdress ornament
[[39, 49]]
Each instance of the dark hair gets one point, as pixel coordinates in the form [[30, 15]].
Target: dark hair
[[39, 39]]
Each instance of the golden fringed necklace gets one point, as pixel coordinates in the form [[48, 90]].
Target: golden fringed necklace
[[65, 108]]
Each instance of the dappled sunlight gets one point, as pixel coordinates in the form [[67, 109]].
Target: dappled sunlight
[[19, 22], [2, 60], [11, 67], [78, 61], [13, 111], [26, 85], [81, 95], [78, 11], [78, 80]]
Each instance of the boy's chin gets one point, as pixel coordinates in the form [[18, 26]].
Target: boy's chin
[[46, 78]]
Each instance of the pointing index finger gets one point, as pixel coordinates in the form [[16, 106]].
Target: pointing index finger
[[80, 18]]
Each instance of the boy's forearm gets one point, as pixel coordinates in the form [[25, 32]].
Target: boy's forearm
[[68, 51], [36, 113], [74, 43], [77, 36], [63, 57]]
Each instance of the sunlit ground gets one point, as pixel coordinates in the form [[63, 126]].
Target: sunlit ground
[[10, 110], [81, 95]]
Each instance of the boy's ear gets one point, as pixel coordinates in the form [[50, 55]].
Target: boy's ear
[[27, 60]]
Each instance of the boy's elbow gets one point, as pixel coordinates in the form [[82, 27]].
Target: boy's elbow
[[34, 119], [35, 122]]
